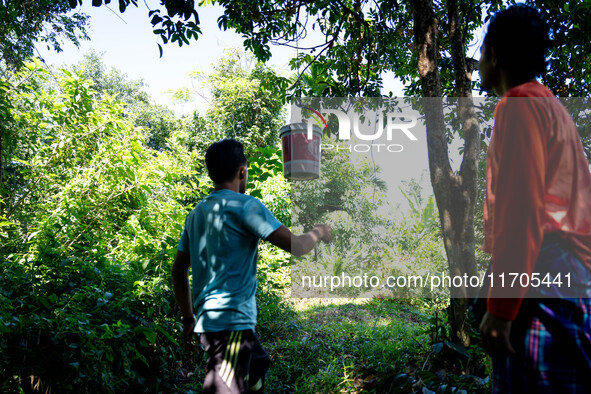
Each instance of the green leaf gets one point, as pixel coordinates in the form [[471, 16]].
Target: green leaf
[[148, 333], [256, 193], [437, 347], [267, 152], [155, 20], [166, 334], [45, 303], [458, 348]]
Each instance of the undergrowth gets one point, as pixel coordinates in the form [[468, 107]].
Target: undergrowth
[[378, 345], [88, 328], [366, 345]]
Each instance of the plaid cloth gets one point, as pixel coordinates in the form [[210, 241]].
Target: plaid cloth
[[551, 336]]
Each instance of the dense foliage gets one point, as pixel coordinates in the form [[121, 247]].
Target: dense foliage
[[92, 217], [47, 21], [95, 181], [91, 214]]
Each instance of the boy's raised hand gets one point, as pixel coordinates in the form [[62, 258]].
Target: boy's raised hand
[[325, 232], [299, 245]]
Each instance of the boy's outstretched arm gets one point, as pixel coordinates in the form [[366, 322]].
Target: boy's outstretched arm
[[182, 292], [299, 245]]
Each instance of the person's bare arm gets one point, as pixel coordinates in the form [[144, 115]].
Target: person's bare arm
[[299, 245], [182, 292]]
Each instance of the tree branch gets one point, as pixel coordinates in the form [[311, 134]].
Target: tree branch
[[469, 166], [355, 15], [463, 88]]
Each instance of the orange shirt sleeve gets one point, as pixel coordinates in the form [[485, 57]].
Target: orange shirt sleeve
[[518, 189]]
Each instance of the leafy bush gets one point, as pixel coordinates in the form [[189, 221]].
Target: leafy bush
[[85, 327], [92, 224], [89, 222]]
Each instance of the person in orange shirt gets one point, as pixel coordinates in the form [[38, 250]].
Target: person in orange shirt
[[537, 219]]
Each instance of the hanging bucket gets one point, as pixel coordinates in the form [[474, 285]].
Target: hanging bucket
[[301, 156]]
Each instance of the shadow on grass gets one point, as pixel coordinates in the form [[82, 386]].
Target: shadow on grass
[[361, 345]]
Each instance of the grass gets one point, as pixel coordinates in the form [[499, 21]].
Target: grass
[[359, 345], [354, 345]]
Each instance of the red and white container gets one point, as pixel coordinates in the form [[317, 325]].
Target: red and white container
[[301, 155]]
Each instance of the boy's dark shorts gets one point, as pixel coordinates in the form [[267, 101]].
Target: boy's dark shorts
[[237, 362]]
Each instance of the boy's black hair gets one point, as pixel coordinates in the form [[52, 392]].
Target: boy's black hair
[[521, 40], [223, 160]]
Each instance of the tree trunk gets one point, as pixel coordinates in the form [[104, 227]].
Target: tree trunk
[[455, 194], [1, 173]]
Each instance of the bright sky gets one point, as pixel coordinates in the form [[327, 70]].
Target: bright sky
[[129, 45]]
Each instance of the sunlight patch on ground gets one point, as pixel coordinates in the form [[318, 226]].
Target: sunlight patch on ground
[[351, 311], [305, 304]]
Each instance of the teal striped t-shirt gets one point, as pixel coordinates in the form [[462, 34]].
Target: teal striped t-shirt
[[221, 236]]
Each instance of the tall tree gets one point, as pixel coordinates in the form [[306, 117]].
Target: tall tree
[[24, 22], [455, 193], [111, 81], [425, 44], [246, 103], [422, 42], [157, 122]]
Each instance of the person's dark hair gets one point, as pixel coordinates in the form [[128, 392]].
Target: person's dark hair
[[521, 40], [223, 160]]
